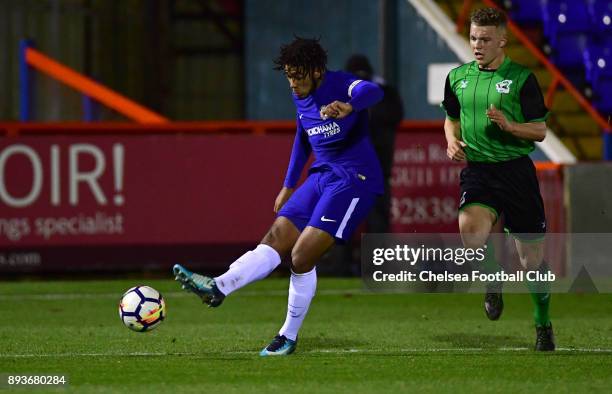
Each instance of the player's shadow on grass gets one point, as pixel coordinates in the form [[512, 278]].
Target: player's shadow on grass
[[488, 341]]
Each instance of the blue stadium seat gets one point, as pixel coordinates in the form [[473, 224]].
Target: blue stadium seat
[[565, 16], [567, 25], [568, 50], [598, 66], [602, 96], [598, 61], [526, 12], [580, 36], [600, 12]]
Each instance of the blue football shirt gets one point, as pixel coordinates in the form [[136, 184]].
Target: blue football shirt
[[341, 145]]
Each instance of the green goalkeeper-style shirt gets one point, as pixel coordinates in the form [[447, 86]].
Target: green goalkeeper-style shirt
[[512, 88]]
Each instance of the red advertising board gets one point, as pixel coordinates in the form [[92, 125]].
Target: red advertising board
[[113, 201], [164, 189], [172, 189], [425, 185]]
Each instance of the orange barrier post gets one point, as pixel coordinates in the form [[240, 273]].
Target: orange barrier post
[[547, 166], [552, 90], [85, 85], [463, 15]]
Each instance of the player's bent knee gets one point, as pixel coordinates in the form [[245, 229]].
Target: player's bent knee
[[281, 236], [473, 237], [474, 226], [309, 248], [272, 236], [474, 231], [476, 220], [301, 262]]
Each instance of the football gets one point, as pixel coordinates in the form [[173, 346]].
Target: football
[[142, 308]]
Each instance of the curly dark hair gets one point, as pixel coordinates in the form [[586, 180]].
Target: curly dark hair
[[305, 54], [489, 17]]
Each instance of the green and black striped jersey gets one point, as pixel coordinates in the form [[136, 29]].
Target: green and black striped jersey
[[512, 88]]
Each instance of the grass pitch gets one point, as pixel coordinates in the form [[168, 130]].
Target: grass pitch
[[351, 341]]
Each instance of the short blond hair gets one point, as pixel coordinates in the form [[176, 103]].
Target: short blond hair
[[489, 17]]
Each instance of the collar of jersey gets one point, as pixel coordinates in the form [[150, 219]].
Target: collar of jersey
[[501, 66]]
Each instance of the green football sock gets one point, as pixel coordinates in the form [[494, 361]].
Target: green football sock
[[540, 295]]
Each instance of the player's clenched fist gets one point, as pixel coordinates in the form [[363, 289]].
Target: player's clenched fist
[[498, 118], [337, 110]]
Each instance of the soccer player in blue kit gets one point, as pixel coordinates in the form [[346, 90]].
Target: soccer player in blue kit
[[341, 187]]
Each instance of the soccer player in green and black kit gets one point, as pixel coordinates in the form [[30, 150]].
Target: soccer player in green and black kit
[[494, 113]]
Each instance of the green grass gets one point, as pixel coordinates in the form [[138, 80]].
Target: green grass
[[352, 341]]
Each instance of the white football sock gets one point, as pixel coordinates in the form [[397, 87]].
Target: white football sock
[[302, 288], [253, 265]]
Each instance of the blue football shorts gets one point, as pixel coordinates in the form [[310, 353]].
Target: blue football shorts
[[327, 201]]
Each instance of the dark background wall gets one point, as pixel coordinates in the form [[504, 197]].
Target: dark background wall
[[180, 58], [419, 45], [208, 59], [345, 27]]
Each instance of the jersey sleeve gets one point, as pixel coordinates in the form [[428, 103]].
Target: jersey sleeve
[[532, 101], [299, 155], [363, 94], [451, 102]]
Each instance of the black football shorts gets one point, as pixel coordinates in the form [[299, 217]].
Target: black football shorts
[[509, 189]]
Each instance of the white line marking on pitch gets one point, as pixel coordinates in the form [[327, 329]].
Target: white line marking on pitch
[[314, 351], [171, 294]]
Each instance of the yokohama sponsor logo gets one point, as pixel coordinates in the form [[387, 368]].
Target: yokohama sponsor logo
[[330, 127]]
